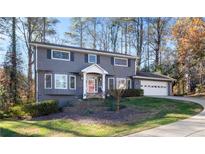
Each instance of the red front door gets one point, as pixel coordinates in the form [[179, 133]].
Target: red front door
[[90, 86]]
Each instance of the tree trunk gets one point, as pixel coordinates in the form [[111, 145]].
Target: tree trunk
[[30, 56], [95, 34], [13, 76], [148, 41], [158, 44], [44, 29], [125, 38], [81, 34], [139, 36], [118, 104]]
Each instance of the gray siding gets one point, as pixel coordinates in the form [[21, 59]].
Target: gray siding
[[53, 66], [137, 84], [170, 88], [79, 63]]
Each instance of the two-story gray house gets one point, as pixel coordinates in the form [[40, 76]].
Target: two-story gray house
[[65, 72]]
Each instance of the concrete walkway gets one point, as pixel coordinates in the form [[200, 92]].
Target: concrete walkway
[[194, 126]]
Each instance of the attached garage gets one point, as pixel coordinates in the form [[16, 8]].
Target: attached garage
[[153, 84], [159, 88]]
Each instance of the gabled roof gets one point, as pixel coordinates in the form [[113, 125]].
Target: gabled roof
[[152, 76], [79, 49], [94, 68]]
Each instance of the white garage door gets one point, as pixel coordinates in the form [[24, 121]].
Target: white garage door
[[159, 88]]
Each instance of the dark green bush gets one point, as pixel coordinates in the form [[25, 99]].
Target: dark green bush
[[1, 114], [133, 93], [88, 112], [26, 111], [18, 111], [42, 108]]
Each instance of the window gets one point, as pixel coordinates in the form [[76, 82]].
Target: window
[[129, 84], [92, 58], [120, 62], [61, 81], [48, 81], [72, 82], [121, 83], [61, 55], [111, 83]]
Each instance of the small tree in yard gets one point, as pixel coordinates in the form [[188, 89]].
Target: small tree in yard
[[117, 93]]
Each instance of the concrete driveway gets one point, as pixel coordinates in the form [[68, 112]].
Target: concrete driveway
[[194, 126]]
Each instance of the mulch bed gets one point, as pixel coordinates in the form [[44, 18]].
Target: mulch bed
[[94, 112]]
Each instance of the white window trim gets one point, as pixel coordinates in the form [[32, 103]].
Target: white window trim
[[130, 83], [96, 90], [45, 80], [120, 79], [121, 59], [95, 58], [108, 84], [74, 82], [66, 80], [60, 58]]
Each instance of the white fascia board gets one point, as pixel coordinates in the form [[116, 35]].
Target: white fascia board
[[94, 68], [151, 78], [165, 76], [82, 50]]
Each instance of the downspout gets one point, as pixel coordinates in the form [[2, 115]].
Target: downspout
[[36, 72]]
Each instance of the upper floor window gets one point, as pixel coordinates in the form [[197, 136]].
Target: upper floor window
[[61, 81], [61, 55], [120, 62], [92, 58], [48, 81]]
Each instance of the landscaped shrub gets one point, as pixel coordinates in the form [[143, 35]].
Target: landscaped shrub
[[18, 111], [133, 93], [1, 114], [42, 108], [200, 88], [88, 112]]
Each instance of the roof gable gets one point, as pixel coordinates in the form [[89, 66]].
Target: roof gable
[[153, 76], [94, 68]]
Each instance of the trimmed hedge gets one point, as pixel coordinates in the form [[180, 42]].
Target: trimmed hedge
[[18, 111], [26, 111], [3, 115], [42, 108], [133, 93]]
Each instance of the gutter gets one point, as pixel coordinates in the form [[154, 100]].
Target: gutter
[[151, 78]]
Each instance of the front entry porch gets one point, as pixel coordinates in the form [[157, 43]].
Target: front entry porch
[[94, 82]]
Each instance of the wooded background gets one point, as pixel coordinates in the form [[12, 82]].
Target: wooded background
[[172, 46]]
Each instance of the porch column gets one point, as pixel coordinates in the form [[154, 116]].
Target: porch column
[[103, 85], [84, 85]]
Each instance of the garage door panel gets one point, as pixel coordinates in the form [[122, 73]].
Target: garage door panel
[[159, 88]]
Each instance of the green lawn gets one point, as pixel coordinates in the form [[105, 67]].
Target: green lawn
[[168, 111]]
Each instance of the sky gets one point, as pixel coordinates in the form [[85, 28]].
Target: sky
[[61, 28]]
